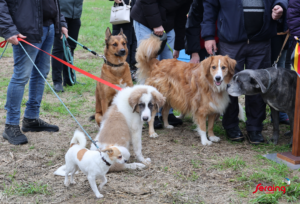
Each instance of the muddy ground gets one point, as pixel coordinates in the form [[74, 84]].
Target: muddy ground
[[182, 170]]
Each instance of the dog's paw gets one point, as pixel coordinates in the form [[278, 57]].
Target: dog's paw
[[140, 166], [73, 182], [154, 135], [67, 184], [214, 138], [99, 195], [169, 126], [147, 161], [207, 142]]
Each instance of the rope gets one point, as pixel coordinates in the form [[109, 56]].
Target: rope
[[69, 59], [58, 97]]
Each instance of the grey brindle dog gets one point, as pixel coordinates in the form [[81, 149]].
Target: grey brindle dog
[[277, 88]]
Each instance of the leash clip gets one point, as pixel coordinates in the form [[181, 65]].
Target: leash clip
[[274, 64], [213, 53]]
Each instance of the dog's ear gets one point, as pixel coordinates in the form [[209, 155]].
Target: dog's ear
[[121, 31], [123, 35], [231, 64], [108, 150], [256, 81], [134, 98], [158, 98], [107, 34], [205, 65]]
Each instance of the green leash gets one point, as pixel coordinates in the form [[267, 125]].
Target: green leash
[[69, 59]]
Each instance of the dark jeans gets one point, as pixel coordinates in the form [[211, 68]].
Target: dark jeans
[[58, 51], [255, 55], [131, 52]]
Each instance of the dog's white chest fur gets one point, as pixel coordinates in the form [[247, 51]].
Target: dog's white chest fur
[[220, 104]]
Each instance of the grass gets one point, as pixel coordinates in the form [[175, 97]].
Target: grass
[[234, 163]]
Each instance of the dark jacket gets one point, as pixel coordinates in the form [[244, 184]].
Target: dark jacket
[[230, 17], [26, 17], [293, 17], [171, 14], [71, 8], [127, 27]]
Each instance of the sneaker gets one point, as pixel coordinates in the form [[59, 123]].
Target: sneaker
[[37, 125], [157, 123], [13, 134], [173, 120], [58, 87], [133, 75]]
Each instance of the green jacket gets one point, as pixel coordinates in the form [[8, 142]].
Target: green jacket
[[71, 8]]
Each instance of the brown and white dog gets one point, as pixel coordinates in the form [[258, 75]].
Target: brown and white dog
[[123, 122], [199, 89], [115, 70]]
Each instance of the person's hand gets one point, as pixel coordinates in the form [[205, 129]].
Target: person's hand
[[118, 1], [210, 45], [195, 58], [175, 54], [159, 30], [64, 30], [277, 12], [14, 39]]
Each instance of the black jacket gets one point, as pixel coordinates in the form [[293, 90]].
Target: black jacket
[[171, 14], [230, 20], [26, 17]]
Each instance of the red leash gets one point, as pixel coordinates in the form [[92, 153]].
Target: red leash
[[73, 67], [3, 43]]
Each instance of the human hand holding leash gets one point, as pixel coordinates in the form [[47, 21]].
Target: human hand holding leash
[[277, 12], [64, 30], [118, 1], [210, 45], [195, 58], [14, 39], [175, 54], [159, 30]]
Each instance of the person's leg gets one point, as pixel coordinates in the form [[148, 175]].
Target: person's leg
[[31, 120], [73, 31], [258, 58], [57, 66], [141, 32], [230, 120]]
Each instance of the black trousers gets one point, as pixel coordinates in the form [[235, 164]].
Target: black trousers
[[58, 68], [255, 55]]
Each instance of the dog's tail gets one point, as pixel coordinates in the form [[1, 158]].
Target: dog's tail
[[145, 54], [241, 113], [79, 138]]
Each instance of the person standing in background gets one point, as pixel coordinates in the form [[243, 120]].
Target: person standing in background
[[72, 10], [128, 30]]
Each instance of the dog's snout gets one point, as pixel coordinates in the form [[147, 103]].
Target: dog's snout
[[145, 118], [122, 51], [125, 161], [218, 78], [228, 85]]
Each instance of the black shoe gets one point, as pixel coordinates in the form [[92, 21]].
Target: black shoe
[[58, 87], [255, 137], [285, 122], [234, 134], [13, 134], [173, 120], [37, 125], [157, 123]]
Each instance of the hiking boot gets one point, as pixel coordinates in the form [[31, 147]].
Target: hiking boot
[[13, 134], [234, 134], [255, 137], [37, 125]]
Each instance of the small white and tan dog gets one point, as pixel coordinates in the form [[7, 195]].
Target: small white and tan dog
[[92, 163]]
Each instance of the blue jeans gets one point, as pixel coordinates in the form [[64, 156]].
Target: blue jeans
[[142, 32], [23, 70]]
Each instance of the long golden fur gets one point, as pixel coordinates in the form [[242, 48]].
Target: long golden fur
[[188, 88], [119, 76]]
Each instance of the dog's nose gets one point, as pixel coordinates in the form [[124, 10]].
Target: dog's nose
[[228, 85], [218, 78], [122, 51], [125, 161], [145, 118]]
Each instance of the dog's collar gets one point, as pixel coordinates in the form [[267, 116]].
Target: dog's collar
[[270, 79], [112, 65], [106, 162]]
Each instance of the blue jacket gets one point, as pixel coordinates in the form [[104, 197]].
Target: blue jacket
[[230, 17]]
